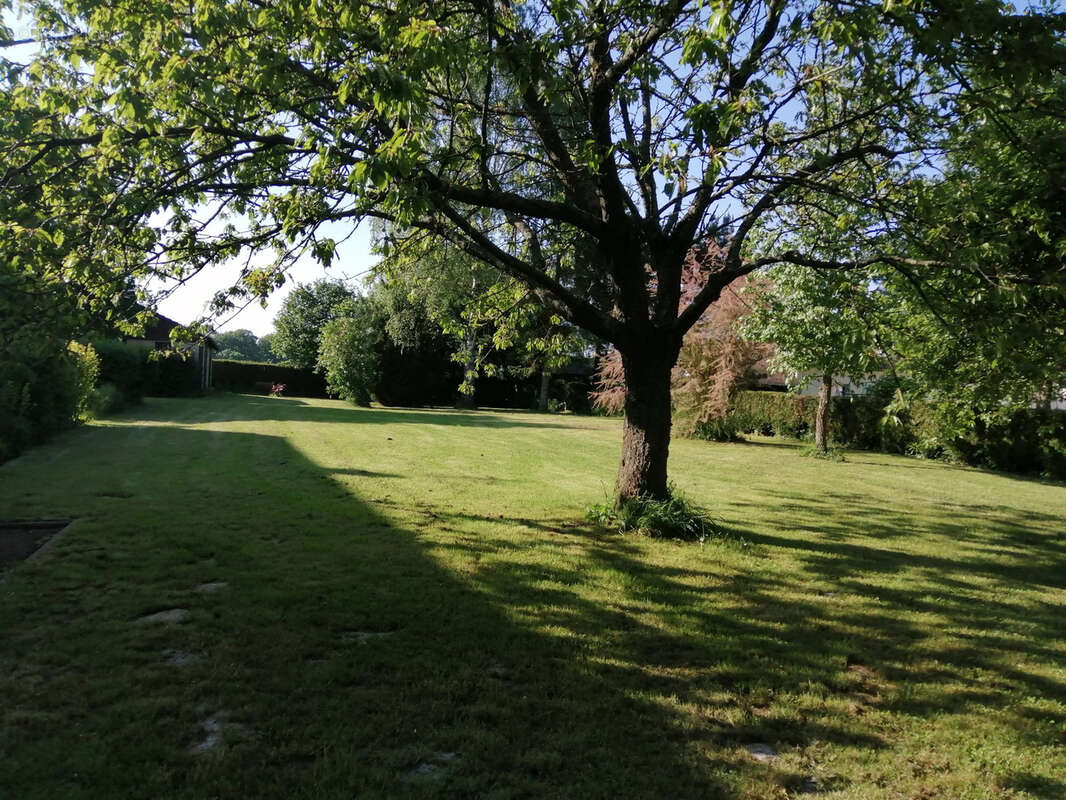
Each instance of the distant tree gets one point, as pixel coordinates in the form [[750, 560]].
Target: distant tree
[[959, 289], [820, 323], [509, 130], [985, 334], [239, 345], [494, 320], [303, 316], [715, 360], [266, 347], [347, 351], [447, 283]]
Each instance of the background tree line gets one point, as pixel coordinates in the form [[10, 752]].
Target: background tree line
[[585, 152]]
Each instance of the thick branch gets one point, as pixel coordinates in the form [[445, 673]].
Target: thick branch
[[506, 201], [734, 266], [481, 246]]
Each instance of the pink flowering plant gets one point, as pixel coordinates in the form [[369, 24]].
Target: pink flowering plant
[[277, 389]]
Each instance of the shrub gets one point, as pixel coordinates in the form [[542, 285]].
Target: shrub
[[84, 369], [716, 430], [829, 454], [773, 413], [45, 388], [16, 402], [125, 366], [857, 422], [673, 518], [346, 355], [1029, 440], [106, 399]]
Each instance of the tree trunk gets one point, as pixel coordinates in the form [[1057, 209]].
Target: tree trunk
[[545, 382], [646, 431], [821, 421]]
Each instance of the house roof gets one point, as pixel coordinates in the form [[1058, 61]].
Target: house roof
[[159, 331]]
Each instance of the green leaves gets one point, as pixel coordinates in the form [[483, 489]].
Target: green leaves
[[305, 312], [817, 322], [582, 149]]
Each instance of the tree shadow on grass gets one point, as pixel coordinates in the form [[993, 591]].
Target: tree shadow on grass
[[350, 655], [776, 442], [1037, 786], [986, 590], [232, 408], [339, 659], [867, 621]]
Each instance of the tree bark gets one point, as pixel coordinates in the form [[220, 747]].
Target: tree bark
[[646, 430], [821, 420], [545, 383]]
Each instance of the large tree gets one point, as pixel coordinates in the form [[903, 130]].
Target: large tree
[[239, 345], [304, 315], [583, 149], [485, 311], [969, 315], [819, 324], [987, 335]]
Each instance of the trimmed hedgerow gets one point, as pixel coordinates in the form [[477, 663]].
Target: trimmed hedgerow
[[135, 371], [1033, 441], [773, 413], [45, 387], [124, 366], [252, 376]]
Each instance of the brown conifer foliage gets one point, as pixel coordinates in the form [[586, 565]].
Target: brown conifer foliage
[[715, 359]]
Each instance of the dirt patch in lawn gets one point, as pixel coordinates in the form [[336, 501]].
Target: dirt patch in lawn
[[21, 538]]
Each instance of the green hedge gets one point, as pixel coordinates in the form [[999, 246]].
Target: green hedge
[[773, 413], [243, 376], [1031, 441], [856, 422], [45, 387], [136, 371], [124, 366]]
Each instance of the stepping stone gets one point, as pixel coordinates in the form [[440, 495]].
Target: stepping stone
[[362, 637], [179, 658], [213, 586], [761, 752], [431, 770], [213, 729], [169, 616], [423, 773]]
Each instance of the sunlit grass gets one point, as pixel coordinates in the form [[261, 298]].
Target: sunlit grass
[[415, 606]]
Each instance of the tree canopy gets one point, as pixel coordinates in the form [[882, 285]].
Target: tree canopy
[[242, 345], [583, 149], [303, 315]]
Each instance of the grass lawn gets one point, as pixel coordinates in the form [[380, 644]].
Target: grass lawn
[[393, 603]]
